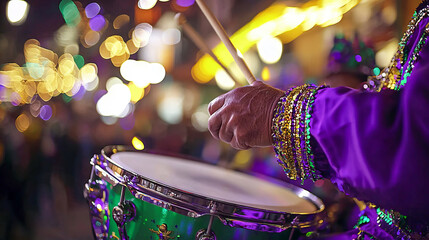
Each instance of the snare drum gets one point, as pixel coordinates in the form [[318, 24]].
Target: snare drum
[[146, 196]]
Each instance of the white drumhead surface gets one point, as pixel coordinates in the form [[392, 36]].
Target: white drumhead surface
[[213, 182]]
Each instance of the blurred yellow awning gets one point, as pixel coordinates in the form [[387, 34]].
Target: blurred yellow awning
[[278, 20]]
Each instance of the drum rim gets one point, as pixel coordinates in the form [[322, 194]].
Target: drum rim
[[195, 205]]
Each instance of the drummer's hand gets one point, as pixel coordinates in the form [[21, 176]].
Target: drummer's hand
[[242, 117]]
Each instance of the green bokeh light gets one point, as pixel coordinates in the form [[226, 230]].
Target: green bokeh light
[[70, 12], [78, 59], [66, 98], [376, 71]]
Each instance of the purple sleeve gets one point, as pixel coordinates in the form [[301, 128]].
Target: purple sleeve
[[377, 144]]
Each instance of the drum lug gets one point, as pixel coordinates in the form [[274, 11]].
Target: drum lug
[[202, 235], [207, 234], [97, 195], [123, 213]]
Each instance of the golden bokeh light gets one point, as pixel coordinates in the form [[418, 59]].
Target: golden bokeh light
[[120, 21], [132, 47], [22, 122], [137, 93], [67, 83], [115, 49], [88, 72], [118, 60], [137, 143], [66, 65], [265, 74], [30, 88]]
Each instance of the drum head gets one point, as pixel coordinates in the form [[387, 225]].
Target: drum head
[[215, 182]]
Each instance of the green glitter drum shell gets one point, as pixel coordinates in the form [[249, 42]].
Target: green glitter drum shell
[[150, 196], [149, 218]]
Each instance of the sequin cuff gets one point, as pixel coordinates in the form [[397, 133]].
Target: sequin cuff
[[291, 132]]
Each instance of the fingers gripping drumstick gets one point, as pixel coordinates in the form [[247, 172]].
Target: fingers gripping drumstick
[[197, 39], [225, 39]]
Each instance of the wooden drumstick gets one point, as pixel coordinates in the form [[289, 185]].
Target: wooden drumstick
[[225, 39], [198, 40]]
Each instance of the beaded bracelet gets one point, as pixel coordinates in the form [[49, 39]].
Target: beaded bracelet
[[282, 123], [291, 132], [300, 134]]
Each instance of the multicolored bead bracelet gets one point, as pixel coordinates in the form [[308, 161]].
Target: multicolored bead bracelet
[[291, 132]]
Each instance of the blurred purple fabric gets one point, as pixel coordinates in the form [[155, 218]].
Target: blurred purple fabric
[[377, 144]]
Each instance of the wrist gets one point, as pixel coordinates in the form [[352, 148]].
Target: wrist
[[291, 132]]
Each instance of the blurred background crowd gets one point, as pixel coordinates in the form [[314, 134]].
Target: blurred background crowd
[[76, 76]]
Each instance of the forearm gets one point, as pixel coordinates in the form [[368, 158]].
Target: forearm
[[370, 144]]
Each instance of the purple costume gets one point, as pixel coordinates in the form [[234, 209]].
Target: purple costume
[[374, 145]]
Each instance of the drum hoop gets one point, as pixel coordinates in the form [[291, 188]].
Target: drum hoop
[[195, 205]]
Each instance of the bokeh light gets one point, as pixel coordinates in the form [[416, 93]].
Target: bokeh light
[[45, 74], [224, 81], [270, 49], [112, 82], [22, 122], [73, 49], [45, 112], [130, 69], [17, 11], [242, 159], [278, 20], [265, 74], [171, 36], [146, 4], [120, 21], [92, 10], [137, 143], [141, 34], [88, 76], [376, 71], [35, 108], [79, 60], [156, 73], [137, 93], [170, 106], [132, 47], [200, 118], [35, 70], [70, 12], [91, 38], [185, 3], [142, 73], [115, 102], [115, 49], [109, 120], [383, 56], [97, 23], [358, 58]]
